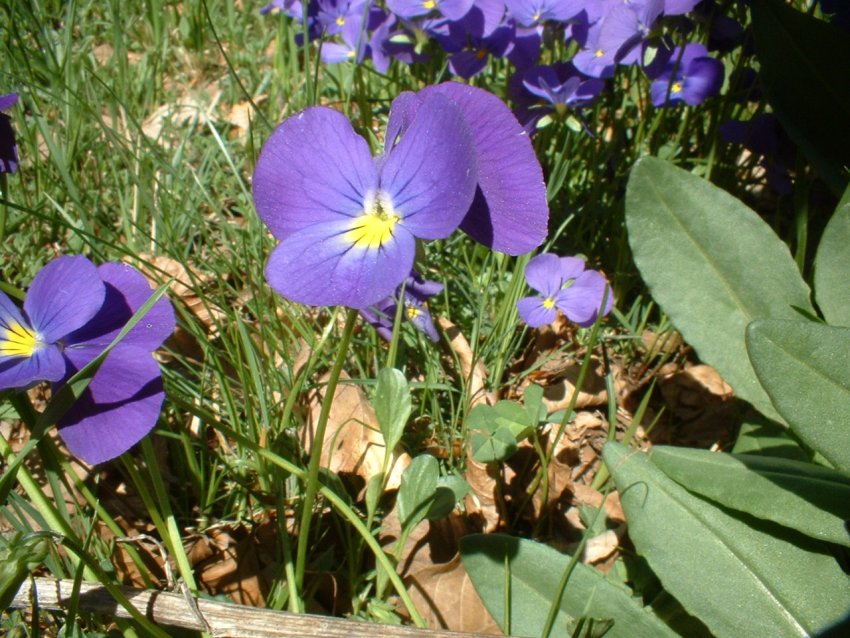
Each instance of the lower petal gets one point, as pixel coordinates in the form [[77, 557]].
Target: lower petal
[[120, 406], [317, 266]]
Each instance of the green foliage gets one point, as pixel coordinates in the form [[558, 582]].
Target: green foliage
[[422, 495], [495, 430], [805, 369], [713, 266], [517, 580], [804, 72], [832, 264], [811, 499], [19, 556], [753, 579]]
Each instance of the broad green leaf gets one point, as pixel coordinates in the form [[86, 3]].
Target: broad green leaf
[[759, 435], [805, 368], [803, 496], [392, 405], [423, 494], [713, 265], [532, 571], [738, 579], [832, 267], [806, 78]]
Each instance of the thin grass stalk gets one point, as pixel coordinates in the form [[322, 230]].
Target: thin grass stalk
[[312, 480]]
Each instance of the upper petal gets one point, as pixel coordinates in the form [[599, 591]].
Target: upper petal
[[317, 266], [313, 168], [64, 296], [582, 300], [510, 214], [126, 291], [431, 173], [544, 274]]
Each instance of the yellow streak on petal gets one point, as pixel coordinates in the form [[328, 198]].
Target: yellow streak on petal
[[676, 88], [19, 341]]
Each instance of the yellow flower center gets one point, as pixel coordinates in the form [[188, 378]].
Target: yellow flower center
[[599, 53], [340, 21], [549, 303], [375, 226], [429, 4], [676, 88], [19, 341], [412, 312]]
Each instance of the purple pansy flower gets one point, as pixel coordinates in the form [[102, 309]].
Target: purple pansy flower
[[8, 147], [562, 86], [451, 9], [348, 222], [565, 285], [532, 13], [690, 76], [417, 291], [510, 213], [471, 46], [72, 311]]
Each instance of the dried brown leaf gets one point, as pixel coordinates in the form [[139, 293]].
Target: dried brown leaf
[[353, 442]]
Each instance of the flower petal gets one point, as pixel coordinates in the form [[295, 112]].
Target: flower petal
[[430, 175], [120, 406], [313, 168], [509, 213], [318, 267], [126, 291], [64, 296], [581, 301], [544, 273], [534, 313]]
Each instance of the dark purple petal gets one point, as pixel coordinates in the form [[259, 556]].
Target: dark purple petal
[[704, 77], [8, 146], [127, 290], [536, 311], [64, 296], [430, 175], [526, 48], [510, 213], [545, 274], [678, 7], [319, 266], [380, 320], [467, 64], [120, 406], [313, 168], [417, 314]]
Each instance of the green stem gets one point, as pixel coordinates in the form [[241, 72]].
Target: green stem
[[316, 451]]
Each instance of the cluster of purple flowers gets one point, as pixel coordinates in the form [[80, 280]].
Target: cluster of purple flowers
[[72, 311], [601, 33]]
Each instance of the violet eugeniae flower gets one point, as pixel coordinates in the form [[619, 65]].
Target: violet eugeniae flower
[[348, 222], [416, 292], [563, 284], [690, 76], [72, 311]]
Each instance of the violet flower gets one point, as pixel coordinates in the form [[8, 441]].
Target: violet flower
[[690, 76], [510, 213], [72, 311], [416, 293], [471, 46], [8, 147], [532, 13], [348, 222], [451, 9], [565, 285], [561, 87]]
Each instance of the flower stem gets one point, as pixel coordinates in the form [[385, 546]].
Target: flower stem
[[312, 479]]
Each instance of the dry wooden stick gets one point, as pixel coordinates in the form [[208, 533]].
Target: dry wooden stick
[[223, 619]]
